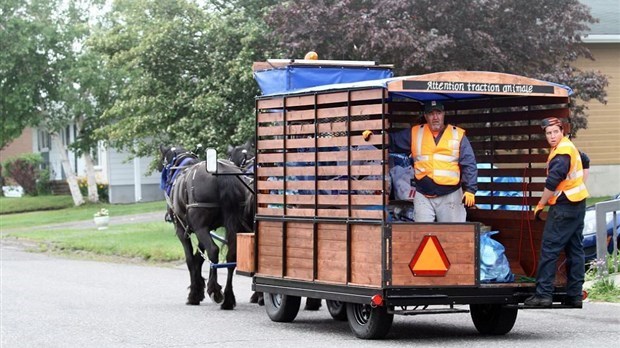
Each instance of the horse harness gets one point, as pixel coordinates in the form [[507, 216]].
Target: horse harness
[[170, 174]]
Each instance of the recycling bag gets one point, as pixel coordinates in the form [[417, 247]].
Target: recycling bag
[[494, 266]]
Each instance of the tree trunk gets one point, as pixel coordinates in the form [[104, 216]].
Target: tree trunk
[[66, 165], [93, 195]]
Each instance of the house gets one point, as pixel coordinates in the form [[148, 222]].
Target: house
[[127, 178], [601, 140]]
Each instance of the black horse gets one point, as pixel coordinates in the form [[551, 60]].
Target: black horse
[[199, 202]]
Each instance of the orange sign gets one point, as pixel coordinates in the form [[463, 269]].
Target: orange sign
[[429, 260]]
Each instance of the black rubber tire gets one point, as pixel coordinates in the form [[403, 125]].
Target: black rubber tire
[[367, 322], [282, 308], [337, 309], [493, 319]]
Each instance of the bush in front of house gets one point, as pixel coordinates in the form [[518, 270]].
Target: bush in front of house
[[102, 188], [43, 182], [25, 170]]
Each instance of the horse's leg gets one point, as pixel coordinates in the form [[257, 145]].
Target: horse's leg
[[214, 290], [257, 297], [229, 296], [194, 266]]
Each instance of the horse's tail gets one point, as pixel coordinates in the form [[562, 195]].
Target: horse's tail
[[232, 198]]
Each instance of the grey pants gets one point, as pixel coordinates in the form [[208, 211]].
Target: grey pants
[[448, 208]]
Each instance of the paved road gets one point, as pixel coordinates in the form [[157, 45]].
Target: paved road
[[47, 301]]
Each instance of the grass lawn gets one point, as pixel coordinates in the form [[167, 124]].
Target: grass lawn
[[10, 205], [151, 242], [83, 212]]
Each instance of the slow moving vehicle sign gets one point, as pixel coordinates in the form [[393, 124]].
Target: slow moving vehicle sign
[[430, 260]]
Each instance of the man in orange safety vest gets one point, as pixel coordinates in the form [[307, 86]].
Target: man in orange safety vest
[[445, 173]]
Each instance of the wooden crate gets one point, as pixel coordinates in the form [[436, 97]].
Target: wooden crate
[[245, 252]]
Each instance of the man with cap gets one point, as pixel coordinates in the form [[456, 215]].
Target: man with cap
[[444, 165], [565, 192]]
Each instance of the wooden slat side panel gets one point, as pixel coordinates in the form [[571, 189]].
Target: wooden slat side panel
[[309, 128], [269, 238], [309, 185], [324, 212], [303, 172], [307, 143], [277, 158], [323, 199], [332, 256], [458, 242], [299, 253], [334, 114], [366, 241], [534, 116], [493, 145]]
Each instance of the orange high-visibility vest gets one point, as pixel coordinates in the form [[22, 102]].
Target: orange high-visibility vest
[[573, 185], [439, 162]]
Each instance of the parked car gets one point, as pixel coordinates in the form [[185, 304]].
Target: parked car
[[589, 231]]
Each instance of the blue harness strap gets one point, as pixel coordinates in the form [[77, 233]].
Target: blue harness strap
[[224, 265]]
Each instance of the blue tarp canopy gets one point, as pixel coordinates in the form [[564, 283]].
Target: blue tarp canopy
[[298, 77], [443, 86]]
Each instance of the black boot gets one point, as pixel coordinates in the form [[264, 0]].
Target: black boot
[[575, 302], [538, 301]]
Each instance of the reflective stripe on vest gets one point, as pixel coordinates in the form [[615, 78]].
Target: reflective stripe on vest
[[573, 185], [437, 161]]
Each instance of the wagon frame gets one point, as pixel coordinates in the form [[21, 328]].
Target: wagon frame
[[324, 225]]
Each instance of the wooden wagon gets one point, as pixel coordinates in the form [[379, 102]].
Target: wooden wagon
[[325, 225]]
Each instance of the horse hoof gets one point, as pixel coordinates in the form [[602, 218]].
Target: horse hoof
[[312, 304], [217, 297], [261, 301], [227, 306], [192, 302]]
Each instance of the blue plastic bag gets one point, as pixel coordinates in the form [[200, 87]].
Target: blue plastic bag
[[494, 266]]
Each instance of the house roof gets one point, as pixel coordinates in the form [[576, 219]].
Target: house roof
[[607, 30]]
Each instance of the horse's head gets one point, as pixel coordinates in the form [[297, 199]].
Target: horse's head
[[242, 154], [167, 155]]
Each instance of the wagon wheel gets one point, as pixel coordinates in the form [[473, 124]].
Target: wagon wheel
[[337, 309], [493, 319], [282, 308], [368, 322]]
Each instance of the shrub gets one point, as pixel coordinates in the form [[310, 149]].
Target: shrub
[[43, 182], [102, 188], [25, 170]]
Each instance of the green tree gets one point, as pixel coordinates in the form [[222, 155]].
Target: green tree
[[33, 50], [539, 39], [187, 69], [46, 75]]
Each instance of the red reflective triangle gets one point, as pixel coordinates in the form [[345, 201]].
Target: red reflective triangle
[[430, 259]]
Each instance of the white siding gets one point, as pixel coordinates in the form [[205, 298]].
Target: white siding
[[120, 171]]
